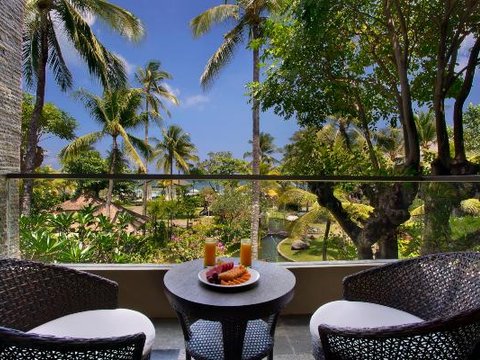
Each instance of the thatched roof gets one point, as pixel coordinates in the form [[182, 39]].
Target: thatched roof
[[82, 201]]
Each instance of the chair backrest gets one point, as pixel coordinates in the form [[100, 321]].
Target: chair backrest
[[23, 346], [33, 293], [431, 286]]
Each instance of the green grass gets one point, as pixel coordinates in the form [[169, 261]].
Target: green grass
[[314, 253]]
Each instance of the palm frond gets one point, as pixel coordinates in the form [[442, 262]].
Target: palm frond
[[100, 62], [202, 23], [301, 225], [56, 62], [130, 149], [222, 56], [120, 20], [471, 206], [94, 104], [80, 144], [31, 45], [297, 196], [145, 150]]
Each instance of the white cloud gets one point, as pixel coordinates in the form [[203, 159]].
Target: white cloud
[[174, 91], [130, 68], [196, 101], [89, 18]]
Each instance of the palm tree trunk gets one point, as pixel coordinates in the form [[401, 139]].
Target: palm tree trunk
[[32, 142], [112, 171], [255, 152], [145, 183]]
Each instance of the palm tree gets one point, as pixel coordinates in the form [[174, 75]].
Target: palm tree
[[44, 20], [425, 122], [176, 148], [151, 78], [115, 112], [249, 17], [267, 149]]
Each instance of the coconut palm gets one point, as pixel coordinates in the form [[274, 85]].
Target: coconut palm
[[249, 17], [151, 79], [115, 112], [44, 21], [176, 148], [425, 122], [267, 150]]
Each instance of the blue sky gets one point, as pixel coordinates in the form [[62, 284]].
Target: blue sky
[[217, 120]]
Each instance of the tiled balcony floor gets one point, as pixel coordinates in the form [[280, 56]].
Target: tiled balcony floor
[[292, 339]]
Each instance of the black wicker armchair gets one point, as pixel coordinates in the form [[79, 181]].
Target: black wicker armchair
[[33, 294], [443, 290]]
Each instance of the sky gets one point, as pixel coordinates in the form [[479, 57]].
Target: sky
[[217, 120]]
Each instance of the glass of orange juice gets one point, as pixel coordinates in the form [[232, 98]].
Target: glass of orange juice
[[246, 252], [210, 248]]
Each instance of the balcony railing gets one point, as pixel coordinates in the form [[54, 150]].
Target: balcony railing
[[442, 216]]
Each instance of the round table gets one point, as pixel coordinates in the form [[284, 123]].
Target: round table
[[215, 323]]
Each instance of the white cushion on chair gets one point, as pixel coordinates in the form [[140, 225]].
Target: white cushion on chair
[[358, 314], [100, 324]]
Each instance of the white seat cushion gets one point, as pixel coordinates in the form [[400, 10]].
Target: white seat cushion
[[357, 314], [100, 324]]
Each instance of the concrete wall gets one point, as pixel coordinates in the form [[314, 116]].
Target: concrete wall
[[141, 287], [11, 19]]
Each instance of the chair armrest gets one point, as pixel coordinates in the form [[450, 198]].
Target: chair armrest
[[18, 345], [430, 286], [33, 293], [457, 337]]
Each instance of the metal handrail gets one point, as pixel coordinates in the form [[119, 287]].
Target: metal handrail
[[306, 178]]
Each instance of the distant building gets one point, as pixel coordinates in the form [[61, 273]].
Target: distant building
[[82, 201]]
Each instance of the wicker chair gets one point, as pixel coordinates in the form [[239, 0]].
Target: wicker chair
[[441, 289], [32, 294]]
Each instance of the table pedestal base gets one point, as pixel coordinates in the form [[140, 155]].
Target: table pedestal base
[[243, 341]]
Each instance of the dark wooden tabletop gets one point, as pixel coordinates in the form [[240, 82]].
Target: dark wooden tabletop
[[268, 295]]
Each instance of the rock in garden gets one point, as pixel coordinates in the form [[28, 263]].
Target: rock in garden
[[299, 245]]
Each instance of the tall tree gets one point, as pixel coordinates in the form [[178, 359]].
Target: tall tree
[[249, 18], [53, 122], [44, 20], [175, 149], [116, 112], [267, 150], [405, 52], [151, 79]]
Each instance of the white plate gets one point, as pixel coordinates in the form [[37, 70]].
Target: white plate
[[254, 276]]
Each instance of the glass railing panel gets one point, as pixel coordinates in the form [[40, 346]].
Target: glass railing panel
[[301, 221]]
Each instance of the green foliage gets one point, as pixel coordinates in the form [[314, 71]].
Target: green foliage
[[232, 213], [223, 163], [322, 152], [83, 237], [49, 192], [471, 122], [53, 120], [87, 162], [188, 244]]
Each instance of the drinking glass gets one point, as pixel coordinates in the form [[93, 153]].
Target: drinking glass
[[246, 252], [210, 248]]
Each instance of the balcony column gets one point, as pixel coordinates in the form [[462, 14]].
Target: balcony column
[[11, 20]]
